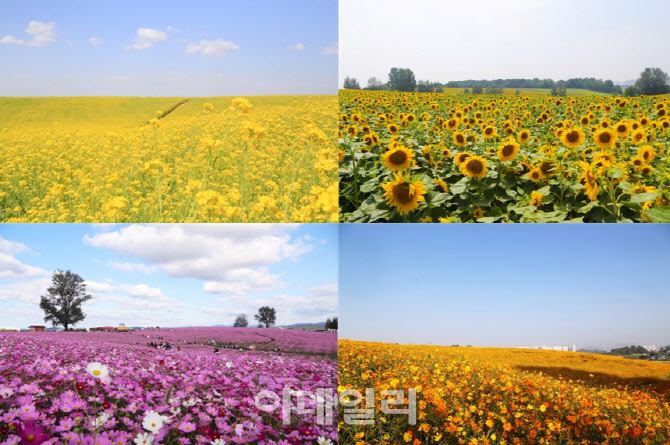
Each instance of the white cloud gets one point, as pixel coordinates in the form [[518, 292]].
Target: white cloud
[[243, 281], [211, 48], [27, 291], [132, 267], [94, 41], [232, 258], [316, 305], [11, 267], [146, 38], [11, 40], [297, 47], [142, 291], [330, 50], [94, 287], [42, 33]]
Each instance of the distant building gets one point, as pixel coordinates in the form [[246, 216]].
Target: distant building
[[570, 348], [122, 328], [103, 329], [36, 328]]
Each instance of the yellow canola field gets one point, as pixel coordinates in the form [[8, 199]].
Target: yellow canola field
[[221, 159], [507, 396]]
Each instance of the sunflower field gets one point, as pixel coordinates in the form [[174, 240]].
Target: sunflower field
[[478, 396], [425, 157], [259, 159]]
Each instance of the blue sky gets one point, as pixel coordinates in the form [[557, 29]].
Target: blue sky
[[505, 285], [492, 39], [173, 275], [168, 48]]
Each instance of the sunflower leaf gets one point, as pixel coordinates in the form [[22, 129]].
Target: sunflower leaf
[[644, 197], [658, 214]]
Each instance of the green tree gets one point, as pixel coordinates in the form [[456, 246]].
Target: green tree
[[477, 89], [402, 79], [374, 84], [331, 323], [241, 321], [652, 81], [630, 91], [62, 302], [266, 316], [350, 83]]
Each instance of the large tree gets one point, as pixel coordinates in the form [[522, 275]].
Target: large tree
[[375, 84], [350, 83], [402, 79], [241, 321], [62, 302], [266, 316], [652, 81]]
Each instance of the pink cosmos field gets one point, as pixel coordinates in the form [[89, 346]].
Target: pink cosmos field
[[103, 388]]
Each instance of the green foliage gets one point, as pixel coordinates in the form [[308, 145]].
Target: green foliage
[[587, 83], [426, 86], [374, 84], [241, 321], [494, 89], [652, 81], [350, 83], [62, 302], [402, 79], [628, 350], [557, 90], [266, 316], [331, 323], [630, 91]]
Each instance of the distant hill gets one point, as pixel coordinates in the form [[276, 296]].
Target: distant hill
[[592, 351], [305, 326], [625, 83]]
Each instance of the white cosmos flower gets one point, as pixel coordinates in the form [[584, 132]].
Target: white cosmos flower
[[152, 422], [144, 439], [229, 364], [218, 442], [100, 420], [324, 441], [98, 370]]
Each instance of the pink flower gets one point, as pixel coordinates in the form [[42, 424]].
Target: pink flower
[[31, 434], [186, 427]]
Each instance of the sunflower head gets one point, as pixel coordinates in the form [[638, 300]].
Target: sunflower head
[[573, 137], [398, 157], [459, 138], [403, 194], [535, 174], [461, 157], [508, 150], [441, 186], [524, 136], [474, 167], [605, 138]]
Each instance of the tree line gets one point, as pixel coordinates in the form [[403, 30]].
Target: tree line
[[62, 304], [652, 81]]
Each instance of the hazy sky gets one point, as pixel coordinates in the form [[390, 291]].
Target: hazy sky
[[168, 47], [489, 39], [505, 285], [172, 275]]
